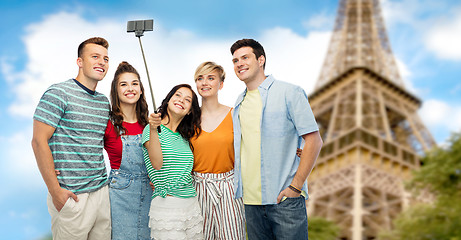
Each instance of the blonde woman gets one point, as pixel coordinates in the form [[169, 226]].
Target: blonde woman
[[214, 159]]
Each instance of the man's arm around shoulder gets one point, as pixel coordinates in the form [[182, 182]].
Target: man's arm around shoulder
[[312, 145], [41, 134]]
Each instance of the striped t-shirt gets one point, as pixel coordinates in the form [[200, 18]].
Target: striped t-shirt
[[79, 119], [175, 176]]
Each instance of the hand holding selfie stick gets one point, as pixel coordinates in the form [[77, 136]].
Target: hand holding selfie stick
[[138, 27]]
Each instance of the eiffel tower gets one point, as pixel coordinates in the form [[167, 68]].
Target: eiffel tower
[[373, 137]]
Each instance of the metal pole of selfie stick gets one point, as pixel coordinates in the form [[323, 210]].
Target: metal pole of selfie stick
[[138, 27], [147, 72]]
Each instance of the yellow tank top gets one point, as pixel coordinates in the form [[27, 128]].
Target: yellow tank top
[[214, 151]]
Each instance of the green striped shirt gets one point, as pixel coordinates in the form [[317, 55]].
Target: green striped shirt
[[175, 176], [79, 119]]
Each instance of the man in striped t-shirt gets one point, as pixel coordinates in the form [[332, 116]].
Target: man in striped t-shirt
[[69, 124]]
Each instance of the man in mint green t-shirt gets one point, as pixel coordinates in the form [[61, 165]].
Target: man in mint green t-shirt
[[68, 133]]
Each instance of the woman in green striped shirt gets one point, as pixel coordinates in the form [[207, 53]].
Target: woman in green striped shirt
[[174, 211]]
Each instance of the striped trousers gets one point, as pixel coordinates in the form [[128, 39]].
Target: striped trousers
[[223, 216]]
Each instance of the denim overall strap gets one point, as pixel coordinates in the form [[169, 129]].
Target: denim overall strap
[[132, 157]]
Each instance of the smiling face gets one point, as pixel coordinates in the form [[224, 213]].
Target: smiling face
[[180, 103], [208, 84], [94, 62], [246, 66], [128, 88]]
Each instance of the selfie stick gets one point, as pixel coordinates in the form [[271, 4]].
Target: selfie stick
[[138, 27]]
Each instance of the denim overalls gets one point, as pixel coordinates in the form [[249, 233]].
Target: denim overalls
[[130, 193]]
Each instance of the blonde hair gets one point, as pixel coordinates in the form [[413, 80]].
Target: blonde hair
[[208, 67]]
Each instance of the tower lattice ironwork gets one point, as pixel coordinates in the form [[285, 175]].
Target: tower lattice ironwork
[[373, 136]]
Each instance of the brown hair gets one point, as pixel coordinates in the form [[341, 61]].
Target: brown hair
[[95, 40], [258, 49], [116, 114]]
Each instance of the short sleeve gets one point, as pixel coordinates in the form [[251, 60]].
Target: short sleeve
[[51, 107], [146, 134], [300, 112]]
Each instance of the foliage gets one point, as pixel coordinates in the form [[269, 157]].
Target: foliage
[[440, 174], [48, 237], [322, 229], [441, 170]]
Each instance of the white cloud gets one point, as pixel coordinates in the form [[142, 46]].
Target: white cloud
[[18, 161], [399, 11], [320, 21], [51, 47], [7, 68], [440, 34], [415, 13], [294, 58], [172, 57], [443, 38], [440, 114], [406, 75]]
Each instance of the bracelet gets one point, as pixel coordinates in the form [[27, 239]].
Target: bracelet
[[296, 190]]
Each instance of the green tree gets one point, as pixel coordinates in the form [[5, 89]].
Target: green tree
[[440, 174], [322, 229], [47, 237]]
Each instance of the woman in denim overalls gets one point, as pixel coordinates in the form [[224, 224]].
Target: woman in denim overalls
[[130, 192]]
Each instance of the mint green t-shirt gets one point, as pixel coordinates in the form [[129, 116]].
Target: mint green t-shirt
[[175, 176], [79, 119]]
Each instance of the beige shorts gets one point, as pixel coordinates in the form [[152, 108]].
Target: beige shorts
[[89, 218]]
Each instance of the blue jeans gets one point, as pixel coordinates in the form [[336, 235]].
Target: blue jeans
[[286, 220]]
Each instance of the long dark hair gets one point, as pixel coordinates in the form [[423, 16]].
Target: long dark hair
[[116, 115], [190, 124]]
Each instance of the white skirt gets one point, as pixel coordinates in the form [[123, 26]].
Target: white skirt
[[175, 218]]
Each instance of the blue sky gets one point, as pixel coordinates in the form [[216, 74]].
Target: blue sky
[[39, 42]]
